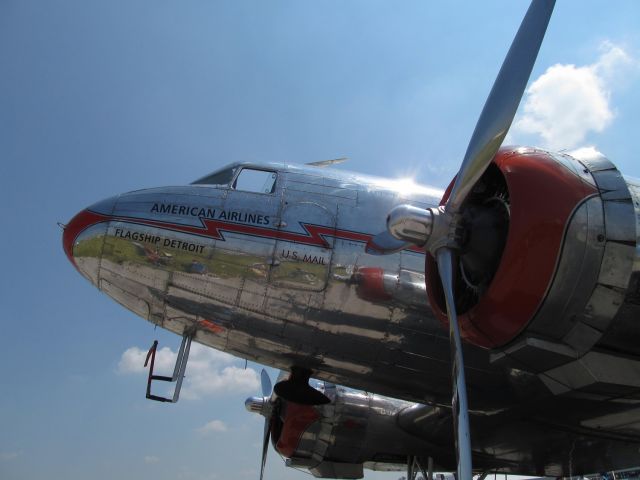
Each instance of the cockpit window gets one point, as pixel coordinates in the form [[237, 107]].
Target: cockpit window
[[223, 177], [256, 181]]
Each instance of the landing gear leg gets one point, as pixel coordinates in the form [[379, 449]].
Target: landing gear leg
[[411, 472], [428, 475]]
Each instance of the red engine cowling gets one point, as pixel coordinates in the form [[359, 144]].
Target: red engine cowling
[[569, 221], [356, 430]]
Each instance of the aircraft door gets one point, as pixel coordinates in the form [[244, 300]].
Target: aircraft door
[[304, 247]]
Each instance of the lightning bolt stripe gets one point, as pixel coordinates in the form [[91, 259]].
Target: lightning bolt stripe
[[314, 235]]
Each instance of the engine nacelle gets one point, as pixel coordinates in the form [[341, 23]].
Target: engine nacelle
[[356, 430], [565, 280]]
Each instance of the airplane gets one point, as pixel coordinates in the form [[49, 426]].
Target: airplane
[[494, 324]]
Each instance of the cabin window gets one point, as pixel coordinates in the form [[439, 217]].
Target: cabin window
[[256, 181]]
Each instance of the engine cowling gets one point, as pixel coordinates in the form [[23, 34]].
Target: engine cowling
[[355, 430], [550, 286]]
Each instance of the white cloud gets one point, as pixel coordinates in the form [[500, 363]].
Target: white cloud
[[214, 426], [209, 371], [587, 153], [8, 456], [567, 102], [151, 459]]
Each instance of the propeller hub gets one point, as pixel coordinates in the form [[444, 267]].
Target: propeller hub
[[431, 228], [410, 224], [256, 405]]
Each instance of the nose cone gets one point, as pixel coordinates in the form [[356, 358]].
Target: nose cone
[[83, 238]]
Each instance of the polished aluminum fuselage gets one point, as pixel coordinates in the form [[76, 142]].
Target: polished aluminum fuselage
[[277, 277], [283, 278]]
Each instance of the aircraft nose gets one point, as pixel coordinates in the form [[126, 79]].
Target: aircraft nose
[[83, 238]]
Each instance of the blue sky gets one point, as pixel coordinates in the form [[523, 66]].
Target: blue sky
[[98, 98]]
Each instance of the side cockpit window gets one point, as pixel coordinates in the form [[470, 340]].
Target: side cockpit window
[[256, 181], [223, 177]]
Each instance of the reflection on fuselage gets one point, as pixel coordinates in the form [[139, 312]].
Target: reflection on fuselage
[[280, 278]]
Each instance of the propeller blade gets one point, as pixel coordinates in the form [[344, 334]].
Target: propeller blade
[[503, 101], [459, 405], [266, 383], [385, 244], [265, 444]]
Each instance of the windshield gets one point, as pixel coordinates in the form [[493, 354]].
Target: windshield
[[222, 177]]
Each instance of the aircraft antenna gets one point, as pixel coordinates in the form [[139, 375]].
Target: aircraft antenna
[[327, 163]]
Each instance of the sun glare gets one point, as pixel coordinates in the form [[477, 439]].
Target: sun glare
[[408, 186]]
